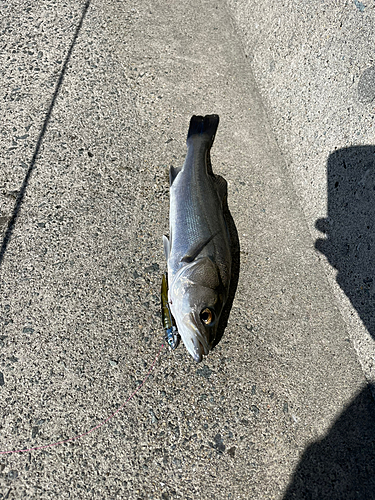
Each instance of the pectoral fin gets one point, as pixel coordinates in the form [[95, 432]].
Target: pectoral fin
[[195, 250]]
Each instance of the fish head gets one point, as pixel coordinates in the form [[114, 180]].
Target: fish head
[[196, 300]]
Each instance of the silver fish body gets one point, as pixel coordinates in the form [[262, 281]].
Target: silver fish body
[[198, 250]]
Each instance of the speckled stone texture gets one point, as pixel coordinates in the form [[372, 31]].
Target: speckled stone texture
[[313, 63], [81, 272]]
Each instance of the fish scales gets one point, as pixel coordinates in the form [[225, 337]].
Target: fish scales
[[195, 206]]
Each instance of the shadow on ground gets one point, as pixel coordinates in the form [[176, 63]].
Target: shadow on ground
[[341, 466], [350, 227], [21, 194]]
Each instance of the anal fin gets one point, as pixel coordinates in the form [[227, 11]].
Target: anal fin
[[221, 187]]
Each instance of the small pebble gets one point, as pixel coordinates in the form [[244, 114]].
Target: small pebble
[[13, 474], [254, 409], [219, 445], [360, 6], [231, 452], [153, 417], [204, 372]]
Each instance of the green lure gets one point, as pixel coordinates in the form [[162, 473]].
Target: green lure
[[171, 334]]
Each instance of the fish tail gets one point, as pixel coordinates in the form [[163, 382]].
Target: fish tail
[[204, 127]]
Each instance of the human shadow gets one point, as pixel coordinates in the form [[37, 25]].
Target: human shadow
[[341, 466], [21, 194], [349, 228]]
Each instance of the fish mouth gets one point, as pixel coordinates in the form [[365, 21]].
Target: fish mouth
[[198, 351], [196, 344]]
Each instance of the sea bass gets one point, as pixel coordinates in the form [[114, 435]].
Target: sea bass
[[198, 250]]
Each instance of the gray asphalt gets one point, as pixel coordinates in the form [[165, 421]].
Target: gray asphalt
[[96, 103]]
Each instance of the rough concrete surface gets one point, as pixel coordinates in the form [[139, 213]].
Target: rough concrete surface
[[95, 108], [315, 67]]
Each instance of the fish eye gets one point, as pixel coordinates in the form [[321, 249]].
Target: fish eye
[[207, 316]]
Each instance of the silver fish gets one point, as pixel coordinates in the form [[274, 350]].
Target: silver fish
[[198, 250]]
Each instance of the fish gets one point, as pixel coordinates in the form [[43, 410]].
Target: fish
[[198, 250]]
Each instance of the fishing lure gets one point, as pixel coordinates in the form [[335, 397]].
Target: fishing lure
[[171, 335]]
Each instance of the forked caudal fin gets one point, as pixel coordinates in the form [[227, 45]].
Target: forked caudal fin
[[204, 127]]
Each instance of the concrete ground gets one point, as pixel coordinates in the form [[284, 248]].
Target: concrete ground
[[314, 65], [96, 101]]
